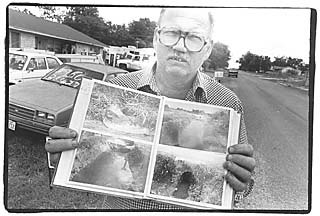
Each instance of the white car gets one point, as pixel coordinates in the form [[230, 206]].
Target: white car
[[123, 63], [143, 62], [30, 65], [67, 58], [135, 62]]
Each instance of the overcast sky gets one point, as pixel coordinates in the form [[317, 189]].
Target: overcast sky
[[262, 31]]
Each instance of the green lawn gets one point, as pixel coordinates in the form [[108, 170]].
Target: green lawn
[[27, 178]]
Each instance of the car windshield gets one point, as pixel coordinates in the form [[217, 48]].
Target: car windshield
[[128, 56], [71, 75], [145, 58], [16, 61], [136, 58]]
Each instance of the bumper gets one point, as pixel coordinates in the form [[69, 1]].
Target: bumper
[[233, 75], [135, 67], [37, 127]]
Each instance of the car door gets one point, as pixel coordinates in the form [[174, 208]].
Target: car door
[[16, 66], [52, 63], [36, 68]]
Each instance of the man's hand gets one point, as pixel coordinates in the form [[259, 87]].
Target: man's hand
[[62, 139], [240, 164]]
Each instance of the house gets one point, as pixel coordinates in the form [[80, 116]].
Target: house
[[27, 31], [284, 70]]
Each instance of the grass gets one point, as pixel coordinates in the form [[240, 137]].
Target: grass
[[27, 184], [287, 78]]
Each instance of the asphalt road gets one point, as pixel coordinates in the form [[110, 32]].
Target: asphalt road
[[277, 124]]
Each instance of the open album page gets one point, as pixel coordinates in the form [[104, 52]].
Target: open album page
[[193, 143], [117, 129]]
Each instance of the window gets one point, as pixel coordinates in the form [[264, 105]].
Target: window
[[52, 63], [37, 64], [145, 58], [33, 65], [14, 40], [50, 46], [16, 62], [136, 58], [42, 64]]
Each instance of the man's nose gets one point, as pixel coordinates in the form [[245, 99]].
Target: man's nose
[[180, 45]]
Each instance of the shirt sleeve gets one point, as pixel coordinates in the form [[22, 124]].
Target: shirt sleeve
[[243, 139]]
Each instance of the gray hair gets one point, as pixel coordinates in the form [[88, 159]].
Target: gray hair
[[211, 20]]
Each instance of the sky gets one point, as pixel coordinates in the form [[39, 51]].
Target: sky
[[263, 31]]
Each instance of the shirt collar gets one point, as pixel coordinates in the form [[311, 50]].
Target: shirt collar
[[199, 83], [148, 80]]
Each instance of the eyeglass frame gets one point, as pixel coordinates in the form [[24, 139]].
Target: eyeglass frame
[[183, 35]]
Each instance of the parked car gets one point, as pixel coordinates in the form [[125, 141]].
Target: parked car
[[218, 75], [122, 63], [39, 104], [143, 62], [24, 65], [135, 62], [233, 73]]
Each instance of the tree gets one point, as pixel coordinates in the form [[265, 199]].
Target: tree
[[280, 61], [219, 57], [142, 31], [165, 169], [87, 21], [118, 35], [26, 11], [253, 62], [265, 63], [53, 13], [288, 62]]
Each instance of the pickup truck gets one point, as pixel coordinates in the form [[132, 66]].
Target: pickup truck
[[122, 63], [233, 73], [134, 62]]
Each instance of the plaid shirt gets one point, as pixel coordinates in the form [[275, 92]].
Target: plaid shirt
[[204, 90]]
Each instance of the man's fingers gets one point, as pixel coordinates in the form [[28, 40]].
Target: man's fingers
[[54, 158], [244, 149], [236, 170], [59, 145], [62, 133], [235, 183], [248, 163]]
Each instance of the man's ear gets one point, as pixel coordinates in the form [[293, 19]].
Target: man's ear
[[208, 50], [155, 38]]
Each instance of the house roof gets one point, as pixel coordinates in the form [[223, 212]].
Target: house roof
[[32, 24]]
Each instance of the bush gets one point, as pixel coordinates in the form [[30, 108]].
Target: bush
[[164, 169]]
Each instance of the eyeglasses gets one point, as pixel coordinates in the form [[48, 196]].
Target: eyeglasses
[[192, 41]]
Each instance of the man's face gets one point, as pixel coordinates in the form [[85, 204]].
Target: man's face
[[177, 61]]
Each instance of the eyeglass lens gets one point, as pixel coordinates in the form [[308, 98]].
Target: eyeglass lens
[[192, 42]]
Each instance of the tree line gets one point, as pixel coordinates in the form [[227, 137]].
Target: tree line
[[140, 32], [260, 63]]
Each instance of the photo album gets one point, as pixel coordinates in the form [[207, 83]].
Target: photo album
[[138, 145]]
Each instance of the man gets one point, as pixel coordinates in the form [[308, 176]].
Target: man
[[183, 41]]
